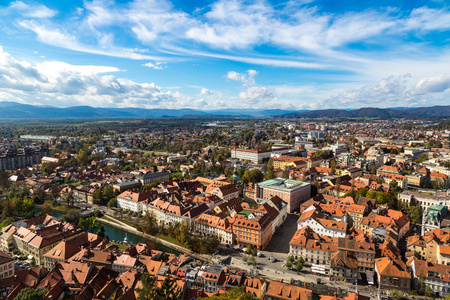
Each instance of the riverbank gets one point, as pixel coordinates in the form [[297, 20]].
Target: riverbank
[[113, 222]]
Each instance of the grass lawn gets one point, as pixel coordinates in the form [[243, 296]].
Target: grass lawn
[[109, 219], [60, 207], [120, 246], [168, 239]]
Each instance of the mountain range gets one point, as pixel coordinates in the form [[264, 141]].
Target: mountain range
[[13, 110]]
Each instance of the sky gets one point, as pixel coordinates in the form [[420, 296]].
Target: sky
[[296, 55]]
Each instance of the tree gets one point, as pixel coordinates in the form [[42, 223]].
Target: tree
[[290, 258], [112, 202], [288, 265], [248, 249], [421, 158], [299, 266], [397, 295], [30, 294], [245, 259], [168, 290], [97, 196], [148, 290], [373, 171], [236, 293], [429, 292], [414, 213], [71, 216]]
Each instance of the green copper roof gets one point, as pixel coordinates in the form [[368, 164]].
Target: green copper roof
[[283, 184]]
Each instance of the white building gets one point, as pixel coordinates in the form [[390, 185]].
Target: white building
[[322, 226], [132, 200]]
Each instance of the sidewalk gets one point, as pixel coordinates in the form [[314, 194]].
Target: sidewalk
[[120, 225]]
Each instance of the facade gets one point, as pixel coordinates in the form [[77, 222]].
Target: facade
[[255, 156], [424, 201], [6, 265], [435, 276], [60, 254], [207, 224], [391, 274], [149, 178], [313, 248], [19, 158], [293, 192], [322, 226], [133, 200], [282, 291], [255, 232]]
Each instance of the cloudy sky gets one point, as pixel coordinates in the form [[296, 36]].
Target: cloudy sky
[[202, 54]]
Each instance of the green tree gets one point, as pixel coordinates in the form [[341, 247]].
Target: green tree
[[236, 293], [414, 213], [97, 196], [299, 266], [429, 292], [396, 294], [30, 294], [112, 202], [245, 259], [288, 265], [421, 158], [71, 216], [373, 171], [148, 290], [89, 224]]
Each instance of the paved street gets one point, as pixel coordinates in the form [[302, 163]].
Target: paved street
[[280, 240]]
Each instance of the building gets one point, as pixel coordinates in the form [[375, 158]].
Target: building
[[133, 200], [149, 178], [60, 254], [207, 224], [277, 290], [6, 265], [344, 266], [424, 201], [435, 276], [254, 232], [24, 157], [317, 222], [313, 248], [254, 156], [257, 156], [392, 274], [293, 192]]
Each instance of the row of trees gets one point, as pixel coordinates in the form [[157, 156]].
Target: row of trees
[[183, 233]]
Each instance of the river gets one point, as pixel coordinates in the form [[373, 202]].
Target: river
[[118, 235]]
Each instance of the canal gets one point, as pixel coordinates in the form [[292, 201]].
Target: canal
[[118, 235]]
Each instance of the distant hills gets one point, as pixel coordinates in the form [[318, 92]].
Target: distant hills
[[13, 110], [371, 112]]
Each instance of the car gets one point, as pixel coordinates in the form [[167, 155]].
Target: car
[[259, 254], [319, 281]]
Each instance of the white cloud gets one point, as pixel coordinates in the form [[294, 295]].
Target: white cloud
[[62, 84], [254, 96], [205, 92], [32, 11], [246, 79], [60, 38], [157, 65], [436, 84]]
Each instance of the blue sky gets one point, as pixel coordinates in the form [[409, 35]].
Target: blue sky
[[225, 54]]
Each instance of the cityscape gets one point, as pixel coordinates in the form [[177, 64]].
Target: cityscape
[[242, 208], [224, 150]]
